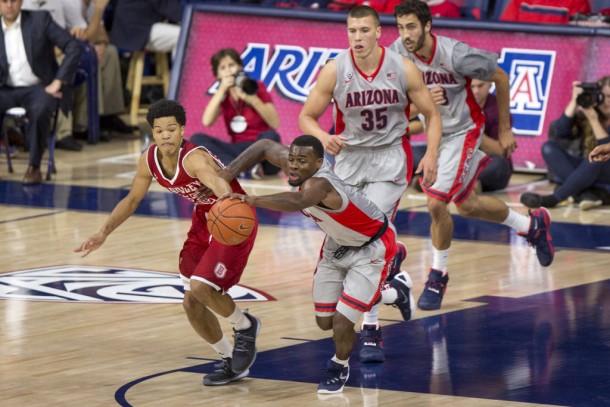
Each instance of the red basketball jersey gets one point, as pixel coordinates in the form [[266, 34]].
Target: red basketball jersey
[[183, 183]]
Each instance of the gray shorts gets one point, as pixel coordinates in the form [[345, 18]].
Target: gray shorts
[[459, 163], [379, 173], [351, 285]]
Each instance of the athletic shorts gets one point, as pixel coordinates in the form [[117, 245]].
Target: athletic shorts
[[459, 163], [204, 259], [351, 285], [382, 173]]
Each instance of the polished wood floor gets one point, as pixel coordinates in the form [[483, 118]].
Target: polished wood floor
[[81, 354]]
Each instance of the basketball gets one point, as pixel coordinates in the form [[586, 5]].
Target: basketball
[[231, 221]]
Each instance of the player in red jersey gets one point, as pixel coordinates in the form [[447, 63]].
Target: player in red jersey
[[207, 268]]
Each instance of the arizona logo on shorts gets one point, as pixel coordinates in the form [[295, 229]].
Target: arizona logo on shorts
[[530, 72], [104, 284]]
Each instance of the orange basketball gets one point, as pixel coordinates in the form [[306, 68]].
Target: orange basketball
[[231, 221]]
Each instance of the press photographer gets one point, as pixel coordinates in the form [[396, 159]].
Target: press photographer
[[584, 125], [245, 106]]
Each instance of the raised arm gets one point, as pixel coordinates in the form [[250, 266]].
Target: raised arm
[[316, 104], [122, 211], [269, 150], [212, 110], [266, 110], [422, 98]]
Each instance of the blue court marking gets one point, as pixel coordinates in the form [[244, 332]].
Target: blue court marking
[[169, 205], [549, 348]]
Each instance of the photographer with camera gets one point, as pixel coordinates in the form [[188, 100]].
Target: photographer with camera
[[584, 125], [247, 110]]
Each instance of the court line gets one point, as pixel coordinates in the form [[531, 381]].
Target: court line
[[31, 217]]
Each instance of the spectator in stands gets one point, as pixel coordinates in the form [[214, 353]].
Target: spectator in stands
[[544, 11], [500, 168], [84, 19], [576, 174], [146, 25], [438, 8], [30, 76], [247, 110]]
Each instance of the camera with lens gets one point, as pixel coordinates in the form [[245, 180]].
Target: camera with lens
[[591, 96], [247, 84]]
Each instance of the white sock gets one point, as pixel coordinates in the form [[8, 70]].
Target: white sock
[[371, 317], [339, 361], [517, 221], [439, 259], [389, 295], [223, 347], [239, 320]]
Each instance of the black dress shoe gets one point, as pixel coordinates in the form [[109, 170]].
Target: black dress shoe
[[84, 135], [114, 123], [68, 143]]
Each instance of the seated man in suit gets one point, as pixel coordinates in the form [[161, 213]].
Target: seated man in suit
[[30, 76]]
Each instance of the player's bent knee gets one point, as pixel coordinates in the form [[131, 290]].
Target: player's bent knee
[[437, 208], [325, 323], [202, 292]]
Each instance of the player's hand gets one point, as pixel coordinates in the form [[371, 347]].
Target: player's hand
[[428, 165], [233, 195], [507, 141], [438, 95], [91, 244], [333, 144]]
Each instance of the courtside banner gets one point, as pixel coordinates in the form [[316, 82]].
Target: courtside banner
[[286, 51]]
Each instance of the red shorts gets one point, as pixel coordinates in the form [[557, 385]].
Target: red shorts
[[203, 258]]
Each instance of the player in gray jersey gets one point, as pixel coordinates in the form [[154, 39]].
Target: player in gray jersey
[[360, 242], [448, 66], [372, 88]]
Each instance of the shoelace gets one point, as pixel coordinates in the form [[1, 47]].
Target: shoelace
[[436, 285], [241, 341], [222, 366]]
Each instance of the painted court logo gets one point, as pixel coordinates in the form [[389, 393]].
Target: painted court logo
[[531, 72], [103, 284]]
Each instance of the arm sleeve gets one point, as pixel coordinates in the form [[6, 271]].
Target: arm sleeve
[[473, 62], [563, 127]]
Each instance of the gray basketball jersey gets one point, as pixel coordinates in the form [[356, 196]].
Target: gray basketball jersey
[[452, 66], [370, 110], [355, 222]]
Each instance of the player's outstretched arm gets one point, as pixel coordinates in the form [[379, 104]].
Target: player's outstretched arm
[[318, 100], [313, 191], [122, 211], [422, 98]]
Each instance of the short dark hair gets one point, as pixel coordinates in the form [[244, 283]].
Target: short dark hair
[[310, 141], [364, 11], [219, 55], [419, 8], [166, 108]]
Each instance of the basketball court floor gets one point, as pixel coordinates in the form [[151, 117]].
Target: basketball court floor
[[109, 329]]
